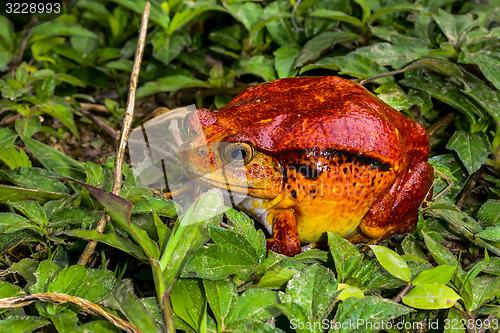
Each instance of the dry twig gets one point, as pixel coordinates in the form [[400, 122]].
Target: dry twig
[[127, 124], [57, 298], [19, 56], [105, 127], [94, 107]]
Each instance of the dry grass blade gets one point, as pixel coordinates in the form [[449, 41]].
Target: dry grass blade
[[57, 298], [127, 124]]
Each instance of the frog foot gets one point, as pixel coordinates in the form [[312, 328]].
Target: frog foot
[[285, 234]]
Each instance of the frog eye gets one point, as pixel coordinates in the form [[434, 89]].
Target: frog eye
[[240, 153]]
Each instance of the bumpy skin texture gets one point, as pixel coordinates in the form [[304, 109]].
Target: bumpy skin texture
[[321, 154]]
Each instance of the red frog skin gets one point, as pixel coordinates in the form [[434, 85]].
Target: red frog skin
[[314, 154]]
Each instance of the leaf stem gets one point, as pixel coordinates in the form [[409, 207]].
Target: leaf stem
[[403, 292]]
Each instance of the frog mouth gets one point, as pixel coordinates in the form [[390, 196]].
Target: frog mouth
[[230, 186]]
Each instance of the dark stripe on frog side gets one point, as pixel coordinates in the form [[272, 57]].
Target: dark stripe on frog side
[[311, 173]]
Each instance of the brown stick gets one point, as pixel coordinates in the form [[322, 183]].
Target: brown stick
[[57, 298], [127, 124], [19, 56], [94, 107], [105, 127]]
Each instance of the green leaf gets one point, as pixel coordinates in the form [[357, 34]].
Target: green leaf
[[28, 126], [337, 15], [53, 159], [191, 232], [92, 284], [255, 303], [37, 179], [320, 43], [281, 30], [149, 246], [167, 47], [162, 230], [260, 66], [231, 254], [22, 324], [431, 296], [397, 54], [169, 83], [70, 52], [484, 96], [370, 310], [11, 222], [13, 158], [454, 317], [473, 149], [347, 291], [97, 176], [447, 24], [11, 193], [97, 326], [486, 60], [44, 274], [284, 59], [411, 247], [234, 243], [392, 262], [9, 241], [41, 47], [441, 274], [158, 14], [394, 95], [46, 89], [118, 208], [160, 206], [9, 290], [446, 92], [277, 277], [182, 17], [111, 239], [221, 295], [32, 210], [484, 289], [393, 8], [489, 213], [345, 256], [26, 268], [461, 221], [247, 13], [189, 302], [352, 64], [124, 299], [245, 227], [7, 138], [64, 321], [491, 234], [61, 113], [69, 79], [313, 290], [228, 37], [440, 253], [493, 266]]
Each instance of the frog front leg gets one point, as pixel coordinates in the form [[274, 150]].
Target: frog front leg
[[396, 211], [285, 234]]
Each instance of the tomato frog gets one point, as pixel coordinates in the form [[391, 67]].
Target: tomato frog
[[311, 155]]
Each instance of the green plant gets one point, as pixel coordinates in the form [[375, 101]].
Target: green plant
[[435, 61]]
